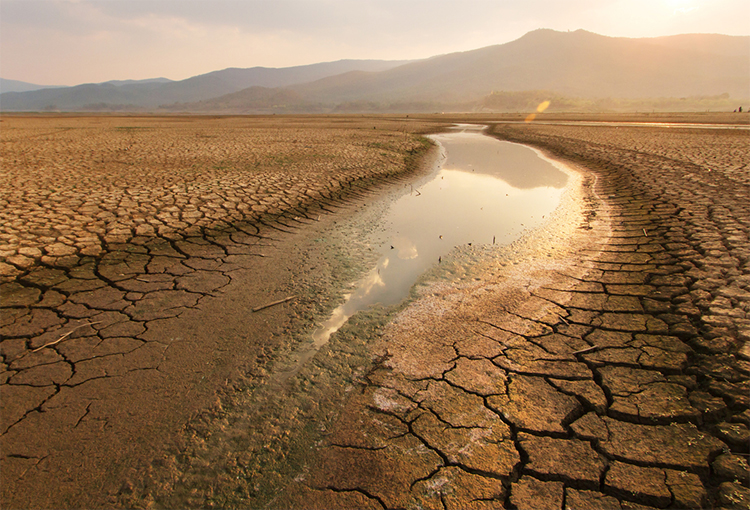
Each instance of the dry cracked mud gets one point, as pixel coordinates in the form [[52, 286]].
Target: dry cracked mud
[[132, 252], [600, 362], [610, 372]]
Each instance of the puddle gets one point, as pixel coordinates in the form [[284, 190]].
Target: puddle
[[484, 191]]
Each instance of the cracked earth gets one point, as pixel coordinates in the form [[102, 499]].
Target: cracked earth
[[601, 362], [120, 242], [610, 373]]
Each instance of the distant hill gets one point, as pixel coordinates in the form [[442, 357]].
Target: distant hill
[[584, 70], [704, 43], [580, 69], [133, 82], [528, 102], [252, 100], [578, 63], [20, 86], [150, 94]]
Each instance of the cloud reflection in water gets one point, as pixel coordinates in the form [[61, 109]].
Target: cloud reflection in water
[[472, 199]]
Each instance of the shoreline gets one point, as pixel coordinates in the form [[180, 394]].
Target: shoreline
[[621, 280], [338, 369], [598, 381], [105, 361]]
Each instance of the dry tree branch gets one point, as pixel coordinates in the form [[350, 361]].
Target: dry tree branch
[[274, 303], [66, 335]]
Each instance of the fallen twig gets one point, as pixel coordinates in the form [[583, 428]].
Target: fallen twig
[[66, 335], [588, 349], [274, 303]]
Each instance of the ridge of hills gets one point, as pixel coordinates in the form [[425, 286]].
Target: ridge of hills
[[7, 85], [150, 94], [582, 70], [578, 63]]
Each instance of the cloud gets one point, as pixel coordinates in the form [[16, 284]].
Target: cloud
[[118, 39]]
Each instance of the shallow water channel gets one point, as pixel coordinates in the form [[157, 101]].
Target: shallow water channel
[[482, 191]]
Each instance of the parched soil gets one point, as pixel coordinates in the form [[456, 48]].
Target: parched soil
[[79, 186], [600, 362], [609, 369], [132, 253]]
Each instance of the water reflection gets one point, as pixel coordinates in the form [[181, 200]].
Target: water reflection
[[486, 191], [516, 164]]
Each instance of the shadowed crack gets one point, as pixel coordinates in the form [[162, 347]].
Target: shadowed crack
[[366, 494]]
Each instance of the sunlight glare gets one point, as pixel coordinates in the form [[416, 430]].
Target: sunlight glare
[[539, 109]]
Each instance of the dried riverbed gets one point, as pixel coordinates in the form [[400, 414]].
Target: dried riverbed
[[245, 451], [624, 318], [133, 252], [611, 372]]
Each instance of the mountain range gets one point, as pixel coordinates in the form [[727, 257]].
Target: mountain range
[[579, 68], [150, 94]]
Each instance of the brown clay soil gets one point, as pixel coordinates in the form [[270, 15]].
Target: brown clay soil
[[132, 251], [601, 361]]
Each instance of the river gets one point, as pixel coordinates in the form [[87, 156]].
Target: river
[[482, 191]]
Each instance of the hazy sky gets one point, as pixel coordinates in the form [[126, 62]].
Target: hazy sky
[[67, 42]]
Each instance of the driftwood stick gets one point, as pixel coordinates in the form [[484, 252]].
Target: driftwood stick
[[588, 349], [66, 335], [274, 303]]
